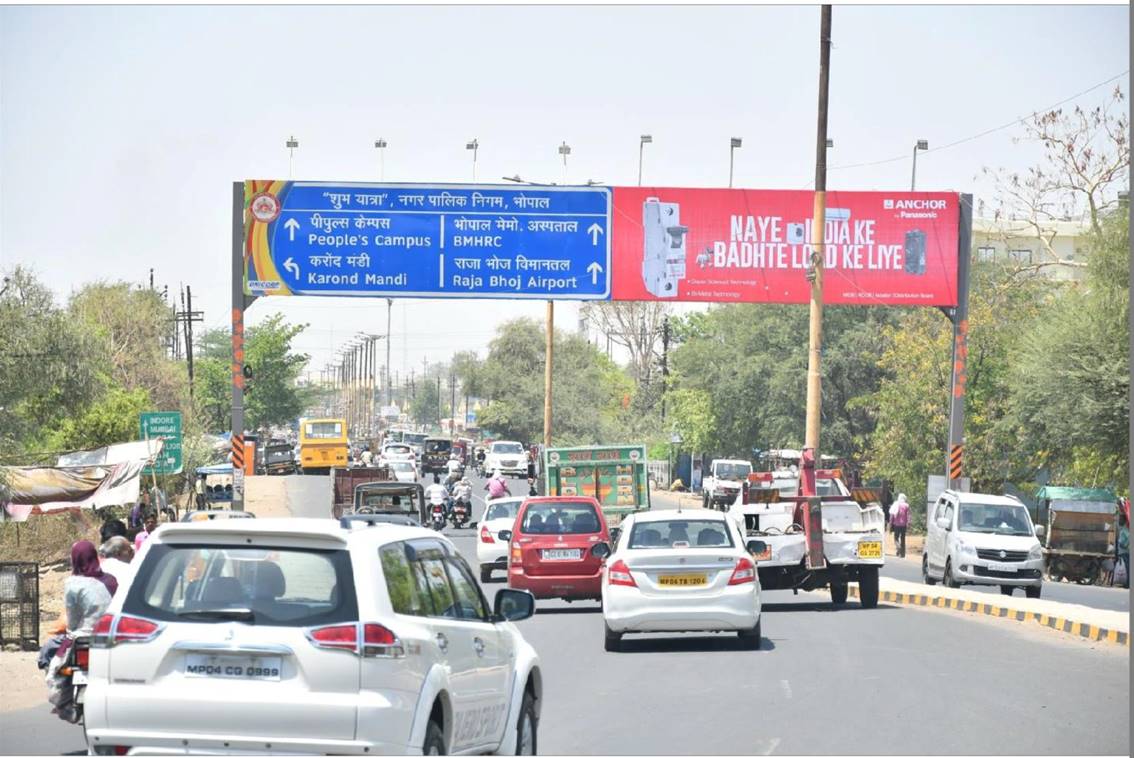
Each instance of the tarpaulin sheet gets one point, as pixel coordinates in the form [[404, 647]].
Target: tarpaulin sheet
[[140, 450]]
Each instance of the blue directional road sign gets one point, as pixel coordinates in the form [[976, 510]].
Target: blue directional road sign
[[412, 240]]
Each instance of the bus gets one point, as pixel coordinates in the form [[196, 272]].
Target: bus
[[322, 444]]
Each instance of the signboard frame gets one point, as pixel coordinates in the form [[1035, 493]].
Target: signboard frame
[[171, 449]]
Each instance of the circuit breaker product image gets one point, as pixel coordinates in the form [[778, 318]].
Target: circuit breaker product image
[[915, 252], [663, 255]]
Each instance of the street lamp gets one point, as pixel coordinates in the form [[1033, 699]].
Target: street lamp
[[564, 150], [380, 145], [830, 143], [473, 146], [642, 142], [734, 143], [921, 145], [292, 144]]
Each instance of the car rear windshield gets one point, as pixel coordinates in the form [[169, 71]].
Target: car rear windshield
[[279, 454], [324, 430], [438, 446], [507, 448], [669, 534], [397, 450], [502, 510], [267, 586], [561, 518]]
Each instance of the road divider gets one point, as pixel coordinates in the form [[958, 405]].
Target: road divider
[[1090, 623]]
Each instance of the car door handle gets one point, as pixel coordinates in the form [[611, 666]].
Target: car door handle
[[442, 642], [478, 645]]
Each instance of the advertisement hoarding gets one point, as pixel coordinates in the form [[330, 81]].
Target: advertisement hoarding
[[753, 246]]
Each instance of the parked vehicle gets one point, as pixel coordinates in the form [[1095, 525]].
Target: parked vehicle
[[973, 538], [723, 485], [1078, 529], [681, 572], [615, 475], [491, 550], [310, 636], [550, 549]]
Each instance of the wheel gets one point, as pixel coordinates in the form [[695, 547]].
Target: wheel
[[750, 639], [705, 500], [925, 571], [868, 587], [485, 574], [613, 640], [434, 740], [948, 579], [526, 726], [1033, 592], [838, 592], [1006, 589]]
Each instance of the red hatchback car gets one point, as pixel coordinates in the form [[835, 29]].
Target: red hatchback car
[[551, 549]]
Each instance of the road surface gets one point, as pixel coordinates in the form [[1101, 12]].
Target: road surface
[[895, 680]]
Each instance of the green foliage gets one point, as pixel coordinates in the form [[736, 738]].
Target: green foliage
[[111, 419], [424, 408]]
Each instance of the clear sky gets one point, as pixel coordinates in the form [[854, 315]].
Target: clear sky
[[122, 128]]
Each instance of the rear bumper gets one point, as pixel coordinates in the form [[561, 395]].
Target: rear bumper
[[625, 609], [492, 555], [566, 586]]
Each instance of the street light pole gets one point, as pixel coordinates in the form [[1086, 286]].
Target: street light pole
[[734, 143], [292, 144], [389, 318], [380, 144], [473, 146], [642, 142], [919, 145], [564, 150]]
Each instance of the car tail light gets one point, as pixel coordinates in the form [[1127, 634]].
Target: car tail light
[[83, 657], [744, 572], [121, 749], [619, 574], [109, 630], [486, 536], [337, 637], [100, 636], [380, 642]]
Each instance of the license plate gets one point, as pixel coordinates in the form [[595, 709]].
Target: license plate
[[1002, 567], [562, 555], [683, 580], [870, 550], [78, 676], [258, 668]]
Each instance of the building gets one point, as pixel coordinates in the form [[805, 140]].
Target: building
[[1018, 242]]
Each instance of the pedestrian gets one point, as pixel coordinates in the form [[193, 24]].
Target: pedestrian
[[150, 526], [532, 491], [199, 487], [531, 464], [1124, 546], [899, 522], [116, 554], [112, 528], [138, 512]]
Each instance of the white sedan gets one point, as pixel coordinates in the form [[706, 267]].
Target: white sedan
[[491, 551], [403, 471], [681, 572], [396, 452]]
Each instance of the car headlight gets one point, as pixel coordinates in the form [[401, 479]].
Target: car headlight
[[1036, 552]]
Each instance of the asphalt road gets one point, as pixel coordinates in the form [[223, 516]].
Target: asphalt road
[[894, 680]]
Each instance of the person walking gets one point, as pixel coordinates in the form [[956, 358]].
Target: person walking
[[199, 487], [899, 522], [1123, 546]]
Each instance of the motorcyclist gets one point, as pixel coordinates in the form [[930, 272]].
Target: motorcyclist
[[496, 486], [454, 467], [480, 459], [436, 494], [463, 490], [367, 457]]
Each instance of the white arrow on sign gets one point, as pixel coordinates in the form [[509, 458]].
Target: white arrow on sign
[[594, 230], [292, 266], [594, 270], [291, 225]]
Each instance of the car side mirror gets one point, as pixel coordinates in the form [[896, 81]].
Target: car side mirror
[[504, 535], [600, 550], [513, 605], [1041, 530], [758, 549]]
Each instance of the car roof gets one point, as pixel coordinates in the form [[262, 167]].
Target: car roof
[[294, 527], [983, 499], [691, 514]]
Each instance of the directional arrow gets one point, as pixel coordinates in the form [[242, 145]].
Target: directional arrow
[[594, 270], [594, 230], [291, 225], [292, 266]]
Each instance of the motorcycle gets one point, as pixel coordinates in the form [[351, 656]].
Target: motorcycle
[[67, 681], [459, 514], [437, 517]]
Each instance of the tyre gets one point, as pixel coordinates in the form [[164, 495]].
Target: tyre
[[1033, 592], [705, 501], [925, 571], [750, 639], [485, 574], [526, 726], [1006, 589], [948, 579], [868, 587], [613, 640], [434, 740], [838, 592]]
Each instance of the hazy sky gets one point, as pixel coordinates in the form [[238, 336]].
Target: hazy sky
[[122, 128]]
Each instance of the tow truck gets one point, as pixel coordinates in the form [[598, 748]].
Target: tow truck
[[773, 509]]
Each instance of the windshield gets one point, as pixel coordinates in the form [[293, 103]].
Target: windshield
[[402, 466], [397, 450], [507, 509], [388, 503], [826, 487], [414, 439], [438, 446], [279, 454], [561, 518], [507, 448], [994, 519], [323, 430], [733, 470], [652, 535]]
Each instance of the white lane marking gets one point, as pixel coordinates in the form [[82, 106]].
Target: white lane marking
[[773, 743], [786, 688]]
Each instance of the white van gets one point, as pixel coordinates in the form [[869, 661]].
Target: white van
[[982, 539]]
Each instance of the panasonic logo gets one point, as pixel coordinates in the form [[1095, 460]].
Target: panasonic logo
[[919, 205]]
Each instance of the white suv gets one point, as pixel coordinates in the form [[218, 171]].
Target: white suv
[[509, 458], [310, 636]]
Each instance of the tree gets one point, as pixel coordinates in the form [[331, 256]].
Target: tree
[[425, 405], [111, 419], [635, 326]]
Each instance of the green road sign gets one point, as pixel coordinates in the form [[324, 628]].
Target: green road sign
[[164, 425]]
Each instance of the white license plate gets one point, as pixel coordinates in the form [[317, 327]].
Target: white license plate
[[562, 555], [1005, 567], [78, 676], [259, 668]]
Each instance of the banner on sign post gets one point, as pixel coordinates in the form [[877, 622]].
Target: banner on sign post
[[754, 246]]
